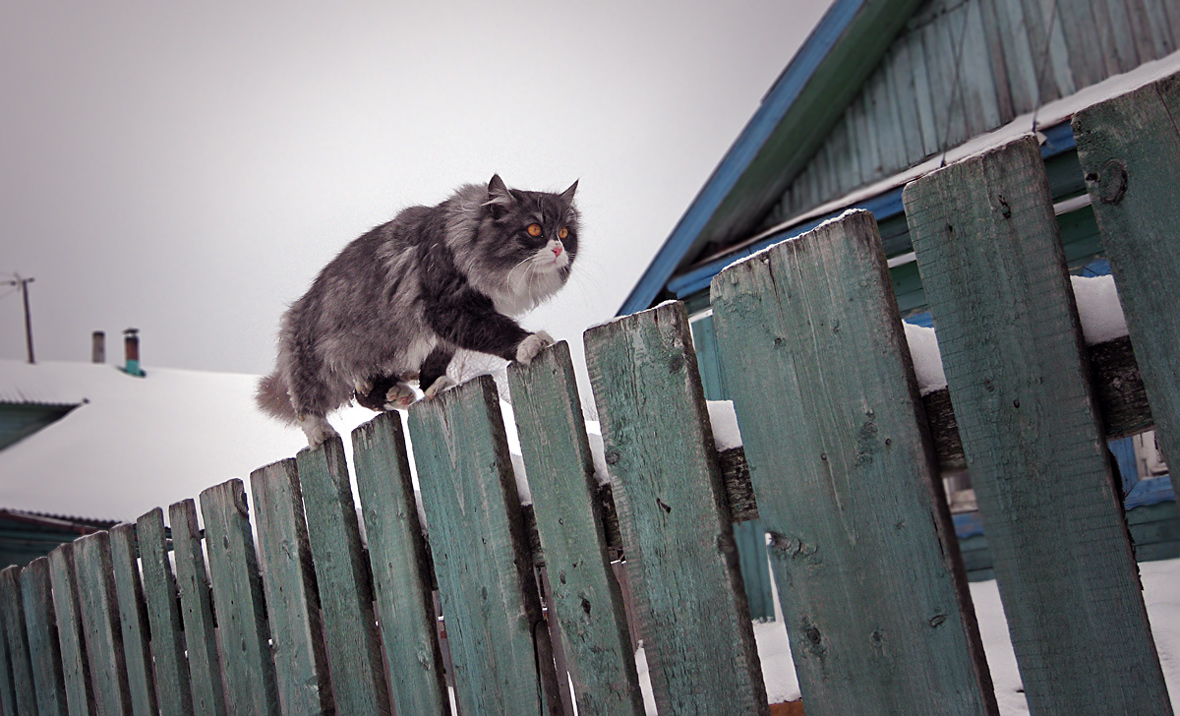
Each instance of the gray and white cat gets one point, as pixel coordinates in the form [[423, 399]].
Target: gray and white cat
[[398, 301]]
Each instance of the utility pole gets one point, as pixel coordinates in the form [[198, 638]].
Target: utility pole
[[24, 290]]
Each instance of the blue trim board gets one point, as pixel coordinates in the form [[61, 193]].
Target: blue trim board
[[774, 107]]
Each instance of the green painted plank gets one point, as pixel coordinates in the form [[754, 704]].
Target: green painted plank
[[173, 689], [293, 602], [846, 482], [1122, 33], [1130, 151], [100, 624], [481, 554], [1149, 25], [997, 62], [977, 73], [8, 685], [885, 121], [242, 629], [402, 576], [673, 515], [133, 620], [75, 666], [924, 92], [196, 610], [342, 575], [995, 276], [1087, 55], [588, 604], [1018, 58], [16, 638], [902, 92], [44, 648]]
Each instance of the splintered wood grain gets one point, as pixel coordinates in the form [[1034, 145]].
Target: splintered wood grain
[[1130, 152], [100, 624], [196, 608], [995, 275], [587, 602], [681, 556], [75, 669], [481, 556], [44, 648], [173, 690], [342, 575], [401, 567], [133, 620], [862, 548], [242, 629], [16, 642], [293, 602]]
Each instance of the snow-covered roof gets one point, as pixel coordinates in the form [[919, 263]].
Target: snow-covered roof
[[137, 443]]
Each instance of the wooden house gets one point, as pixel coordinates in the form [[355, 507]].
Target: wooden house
[[886, 91]]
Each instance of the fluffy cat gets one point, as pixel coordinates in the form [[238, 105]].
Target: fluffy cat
[[398, 301]]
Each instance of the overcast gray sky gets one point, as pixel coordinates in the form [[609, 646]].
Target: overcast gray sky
[[187, 168]]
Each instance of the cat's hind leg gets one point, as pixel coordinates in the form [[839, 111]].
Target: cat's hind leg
[[432, 376], [317, 429]]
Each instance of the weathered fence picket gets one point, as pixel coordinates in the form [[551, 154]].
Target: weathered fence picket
[[133, 620], [196, 608], [402, 576], [173, 689], [995, 276], [342, 575], [242, 630], [841, 462], [587, 612], [481, 557], [19, 666], [292, 598], [670, 498], [1129, 148], [44, 648], [845, 479]]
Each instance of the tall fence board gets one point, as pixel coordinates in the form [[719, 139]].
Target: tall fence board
[[590, 617], [481, 555], [16, 642], [995, 276], [292, 597], [44, 648], [402, 575], [1130, 152], [173, 688], [196, 608], [100, 625], [342, 575], [677, 536], [846, 480], [242, 630], [75, 668], [133, 620]]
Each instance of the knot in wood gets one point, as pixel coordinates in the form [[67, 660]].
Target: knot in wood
[[1112, 182]]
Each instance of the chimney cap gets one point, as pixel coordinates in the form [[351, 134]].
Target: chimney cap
[[130, 331]]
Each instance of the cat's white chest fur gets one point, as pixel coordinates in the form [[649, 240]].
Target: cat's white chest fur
[[522, 294]]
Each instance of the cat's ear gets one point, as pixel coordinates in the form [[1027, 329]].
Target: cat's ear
[[499, 198], [567, 196]]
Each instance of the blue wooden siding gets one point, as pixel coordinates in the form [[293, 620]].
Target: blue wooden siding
[[910, 107], [19, 420]]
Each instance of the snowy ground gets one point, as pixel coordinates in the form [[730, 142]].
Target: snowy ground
[[1161, 593]]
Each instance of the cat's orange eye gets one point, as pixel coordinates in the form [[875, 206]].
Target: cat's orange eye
[[563, 232], [534, 230]]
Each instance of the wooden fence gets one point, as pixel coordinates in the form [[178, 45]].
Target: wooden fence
[[280, 606]]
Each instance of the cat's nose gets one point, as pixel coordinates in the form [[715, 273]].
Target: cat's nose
[[557, 248]]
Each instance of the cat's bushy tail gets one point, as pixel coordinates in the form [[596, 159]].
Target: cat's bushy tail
[[273, 398]]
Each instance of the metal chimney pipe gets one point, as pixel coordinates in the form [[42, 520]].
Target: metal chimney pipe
[[131, 352], [98, 347]]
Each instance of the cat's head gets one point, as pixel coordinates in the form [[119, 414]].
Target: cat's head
[[531, 232]]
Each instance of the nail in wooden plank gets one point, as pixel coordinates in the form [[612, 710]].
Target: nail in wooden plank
[[346, 594], [677, 536], [587, 602], [995, 275], [401, 567], [44, 648], [242, 629], [196, 609], [1130, 152], [288, 578], [75, 666], [862, 546], [133, 620], [173, 690], [16, 638], [100, 624], [481, 556]]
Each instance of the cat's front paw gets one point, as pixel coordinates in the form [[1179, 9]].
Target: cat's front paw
[[531, 346], [440, 384], [399, 397]]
